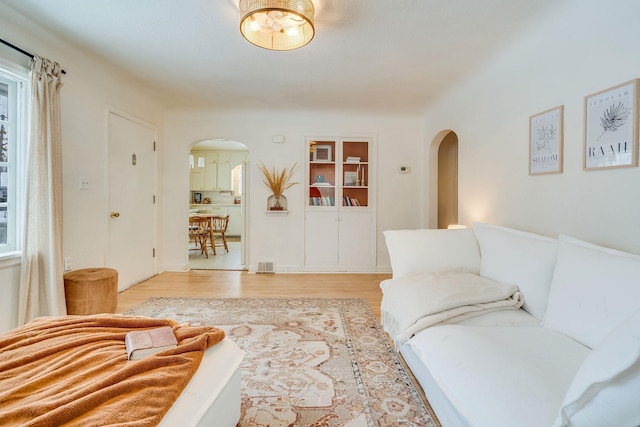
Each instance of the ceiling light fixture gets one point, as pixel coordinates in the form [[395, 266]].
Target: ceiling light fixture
[[277, 24]]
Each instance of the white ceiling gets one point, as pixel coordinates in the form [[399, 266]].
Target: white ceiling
[[367, 55]]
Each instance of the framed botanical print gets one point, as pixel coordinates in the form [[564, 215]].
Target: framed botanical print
[[546, 138], [611, 127], [322, 153]]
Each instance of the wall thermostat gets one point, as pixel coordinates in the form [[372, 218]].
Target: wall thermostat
[[404, 169]]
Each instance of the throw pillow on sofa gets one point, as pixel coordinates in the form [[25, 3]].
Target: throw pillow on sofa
[[593, 290], [605, 390], [520, 258], [431, 251]]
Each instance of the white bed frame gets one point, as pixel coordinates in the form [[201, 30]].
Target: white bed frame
[[212, 397]]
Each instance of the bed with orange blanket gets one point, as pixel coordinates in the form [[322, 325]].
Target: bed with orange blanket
[[73, 371]]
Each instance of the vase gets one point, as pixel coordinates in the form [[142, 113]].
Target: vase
[[277, 203]]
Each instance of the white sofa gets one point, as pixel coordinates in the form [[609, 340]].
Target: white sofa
[[563, 349]]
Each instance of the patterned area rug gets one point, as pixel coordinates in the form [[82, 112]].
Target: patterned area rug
[[309, 362]]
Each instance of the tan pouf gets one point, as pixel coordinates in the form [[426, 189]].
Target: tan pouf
[[91, 291]]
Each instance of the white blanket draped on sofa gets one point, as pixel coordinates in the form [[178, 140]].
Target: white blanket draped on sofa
[[418, 302]]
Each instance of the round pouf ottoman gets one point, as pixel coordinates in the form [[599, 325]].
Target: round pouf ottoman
[[91, 291]]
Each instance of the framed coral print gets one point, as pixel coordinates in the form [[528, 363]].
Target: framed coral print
[[546, 137], [611, 127]]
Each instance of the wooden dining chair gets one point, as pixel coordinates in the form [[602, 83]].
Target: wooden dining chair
[[219, 226], [200, 233]]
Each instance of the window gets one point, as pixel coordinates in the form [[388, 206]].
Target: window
[[236, 180], [12, 144]]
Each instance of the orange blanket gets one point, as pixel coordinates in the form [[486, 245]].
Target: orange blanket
[[73, 371]]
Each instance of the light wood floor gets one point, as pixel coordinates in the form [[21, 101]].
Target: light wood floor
[[236, 284]]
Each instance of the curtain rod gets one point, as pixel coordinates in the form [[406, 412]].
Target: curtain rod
[[24, 52]]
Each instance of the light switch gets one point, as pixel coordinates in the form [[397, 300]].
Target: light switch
[[84, 183]]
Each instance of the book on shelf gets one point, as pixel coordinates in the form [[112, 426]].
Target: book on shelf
[[322, 201], [350, 201], [352, 159], [149, 341], [321, 184]]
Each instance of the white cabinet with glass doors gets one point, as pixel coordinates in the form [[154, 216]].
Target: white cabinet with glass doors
[[340, 213]]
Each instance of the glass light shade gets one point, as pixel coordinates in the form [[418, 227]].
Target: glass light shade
[[200, 162], [277, 24], [192, 161]]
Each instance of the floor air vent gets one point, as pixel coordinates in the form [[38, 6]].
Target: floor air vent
[[266, 267]]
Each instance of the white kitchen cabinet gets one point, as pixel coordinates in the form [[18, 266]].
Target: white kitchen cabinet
[[196, 179], [216, 173], [202, 178], [235, 221], [237, 157], [340, 221], [223, 176]]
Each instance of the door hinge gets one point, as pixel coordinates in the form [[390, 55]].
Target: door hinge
[[154, 252], [154, 146], [154, 199]]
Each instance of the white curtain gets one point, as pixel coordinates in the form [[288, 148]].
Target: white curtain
[[41, 281]]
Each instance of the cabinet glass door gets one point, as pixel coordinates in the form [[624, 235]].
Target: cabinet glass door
[[322, 173], [355, 173]]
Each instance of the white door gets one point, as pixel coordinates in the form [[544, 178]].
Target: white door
[[131, 200]]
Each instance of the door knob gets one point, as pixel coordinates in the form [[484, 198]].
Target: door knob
[[115, 214]]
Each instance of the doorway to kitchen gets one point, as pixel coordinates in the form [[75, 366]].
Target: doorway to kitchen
[[218, 191]]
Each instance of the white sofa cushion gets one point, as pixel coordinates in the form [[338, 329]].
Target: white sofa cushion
[[593, 290], [429, 251], [520, 258], [606, 388], [501, 376]]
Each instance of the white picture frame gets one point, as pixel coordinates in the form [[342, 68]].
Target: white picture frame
[[611, 127], [350, 178], [322, 153], [546, 140]]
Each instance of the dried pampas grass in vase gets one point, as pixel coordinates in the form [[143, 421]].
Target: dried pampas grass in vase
[[277, 182]]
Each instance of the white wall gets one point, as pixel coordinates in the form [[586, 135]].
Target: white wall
[[276, 237], [583, 47], [89, 86], [9, 278]]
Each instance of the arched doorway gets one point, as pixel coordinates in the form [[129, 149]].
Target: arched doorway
[[448, 181], [218, 186], [443, 180]]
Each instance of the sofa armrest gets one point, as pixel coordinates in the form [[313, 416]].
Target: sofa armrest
[[431, 250]]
